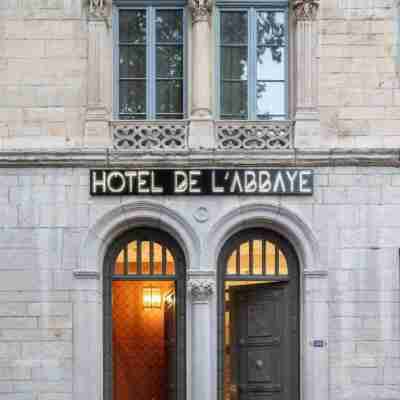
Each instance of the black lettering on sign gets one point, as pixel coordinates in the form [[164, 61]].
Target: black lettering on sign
[[202, 182]]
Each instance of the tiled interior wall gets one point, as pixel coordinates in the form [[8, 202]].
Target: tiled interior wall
[[139, 356]]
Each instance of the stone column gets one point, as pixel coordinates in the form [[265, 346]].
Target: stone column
[[201, 128], [200, 292], [306, 78], [99, 74]]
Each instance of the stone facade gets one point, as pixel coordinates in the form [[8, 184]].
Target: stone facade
[[56, 122]]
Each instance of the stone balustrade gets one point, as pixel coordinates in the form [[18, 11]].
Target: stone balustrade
[[166, 136]]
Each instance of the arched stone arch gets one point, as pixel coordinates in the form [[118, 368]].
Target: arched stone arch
[[131, 215], [88, 294], [276, 218], [314, 361]]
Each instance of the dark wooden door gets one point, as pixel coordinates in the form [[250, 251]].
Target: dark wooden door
[[170, 344], [260, 342]]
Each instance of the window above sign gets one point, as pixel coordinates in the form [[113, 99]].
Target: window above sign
[[150, 66], [253, 61]]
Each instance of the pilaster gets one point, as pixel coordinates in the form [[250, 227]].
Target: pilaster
[[306, 76], [201, 290], [98, 74], [201, 125], [315, 353]]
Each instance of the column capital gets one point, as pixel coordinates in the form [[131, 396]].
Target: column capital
[[201, 9], [201, 290], [305, 10], [97, 8]]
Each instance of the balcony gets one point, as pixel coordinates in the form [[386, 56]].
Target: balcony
[[227, 136]]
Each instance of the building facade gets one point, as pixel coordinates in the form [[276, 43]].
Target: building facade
[[200, 200]]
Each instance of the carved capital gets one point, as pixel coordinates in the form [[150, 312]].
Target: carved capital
[[200, 290], [97, 8], [201, 10], [305, 10]]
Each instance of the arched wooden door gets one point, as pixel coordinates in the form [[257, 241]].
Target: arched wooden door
[[258, 318], [144, 318]]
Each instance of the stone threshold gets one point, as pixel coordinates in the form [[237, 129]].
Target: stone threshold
[[105, 157]]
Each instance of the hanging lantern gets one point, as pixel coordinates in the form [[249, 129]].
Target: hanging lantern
[[151, 297]]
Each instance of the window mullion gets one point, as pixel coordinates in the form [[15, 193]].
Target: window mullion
[[151, 80], [252, 74]]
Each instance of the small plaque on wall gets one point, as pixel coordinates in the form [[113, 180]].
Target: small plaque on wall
[[202, 182]]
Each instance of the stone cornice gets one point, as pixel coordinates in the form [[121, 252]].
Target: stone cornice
[[110, 158]]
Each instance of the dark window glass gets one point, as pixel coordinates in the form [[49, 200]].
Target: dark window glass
[[132, 61], [234, 64], [169, 97], [169, 26], [132, 26], [132, 99], [234, 100], [169, 62], [151, 69], [234, 27]]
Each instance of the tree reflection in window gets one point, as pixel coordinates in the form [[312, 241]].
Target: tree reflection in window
[[253, 64], [151, 69]]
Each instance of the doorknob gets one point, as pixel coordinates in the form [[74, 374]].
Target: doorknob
[[259, 364]]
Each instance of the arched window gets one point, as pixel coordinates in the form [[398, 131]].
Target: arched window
[[258, 317], [144, 317]]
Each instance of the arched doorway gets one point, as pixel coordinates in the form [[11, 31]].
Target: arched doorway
[[258, 318], [144, 317]]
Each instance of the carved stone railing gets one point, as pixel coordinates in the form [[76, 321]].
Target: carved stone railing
[[254, 135], [150, 135]]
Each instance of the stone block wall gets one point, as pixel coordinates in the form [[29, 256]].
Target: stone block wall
[[43, 73], [46, 213], [359, 73]]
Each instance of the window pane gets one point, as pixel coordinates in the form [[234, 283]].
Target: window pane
[[132, 97], [132, 61], [170, 264], [271, 28], [271, 63], [169, 96], [169, 26], [157, 258], [244, 259], [132, 26], [119, 267], [132, 257], [270, 255], [234, 100], [169, 61], [283, 268], [231, 267], [145, 258], [270, 98], [234, 63], [234, 27], [257, 257]]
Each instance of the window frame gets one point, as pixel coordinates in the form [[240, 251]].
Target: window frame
[[150, 8], [251, 8]]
